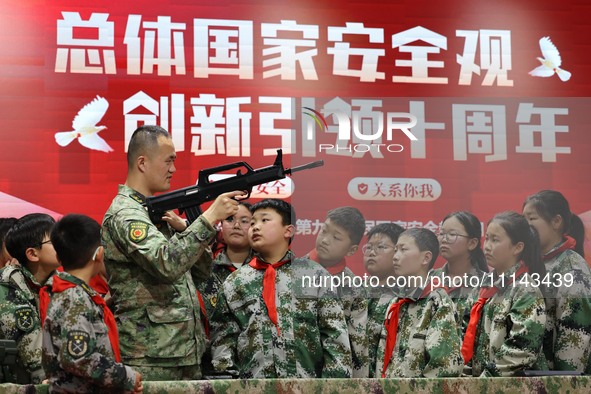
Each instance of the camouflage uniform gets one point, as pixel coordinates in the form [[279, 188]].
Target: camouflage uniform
[[77, 352], [567, 341], [313, 340], [154, 297], [463, 297], [20, 321], [378, 302], [428, 341], [511, 327]]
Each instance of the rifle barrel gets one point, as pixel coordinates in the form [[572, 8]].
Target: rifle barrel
[[314, 164]]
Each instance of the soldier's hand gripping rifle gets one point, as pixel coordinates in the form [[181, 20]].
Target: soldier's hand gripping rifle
[[189, 199]]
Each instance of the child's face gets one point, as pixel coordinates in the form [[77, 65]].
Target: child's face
[[408, 259], [267, 233], [454, 243], [235, 232], [500, 252], [333, 244], [547, 231], [46, 254], [377, 256]]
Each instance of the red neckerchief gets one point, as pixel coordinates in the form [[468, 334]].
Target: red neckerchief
[[391, 325], [334, 269], [59, 285], [204, 313], [269, 286], [476, 312], [569, 243], [230, 267]]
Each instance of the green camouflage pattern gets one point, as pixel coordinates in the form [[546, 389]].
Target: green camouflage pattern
[[511, 328], [151, 270], [546, 384], [77, 352], [20, 321], [428, 341], [379, 299], [567, 341], [464, 296], [313, 341]]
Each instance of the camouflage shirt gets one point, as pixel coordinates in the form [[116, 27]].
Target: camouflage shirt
[[20, 321], [77, 352], [567, 341], [511, 328], [154, 297], [428, 341], [313, 341], [378, 302], [463, 296]]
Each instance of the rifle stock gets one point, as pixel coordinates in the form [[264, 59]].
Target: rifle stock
[[189, 199]]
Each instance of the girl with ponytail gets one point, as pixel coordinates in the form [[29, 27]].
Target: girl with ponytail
[[567, 339], [459, 244], [506, 327]]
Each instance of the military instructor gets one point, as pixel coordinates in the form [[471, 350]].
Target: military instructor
[[150, 266]]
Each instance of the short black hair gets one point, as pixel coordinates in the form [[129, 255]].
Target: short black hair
[[350, 219], [27, 232], [75, 238], [426, 241], [283, 208], [5, 225], [142, 139], [390, 230]]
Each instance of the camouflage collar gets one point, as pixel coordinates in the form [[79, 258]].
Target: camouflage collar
[[134, 195], [288, 256], [505, 279], [222, 259], [474, 271], [78, 282]]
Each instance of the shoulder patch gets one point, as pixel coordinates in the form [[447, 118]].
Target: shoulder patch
[[138, 231], [78, 343], [24, 319], [138, 197]]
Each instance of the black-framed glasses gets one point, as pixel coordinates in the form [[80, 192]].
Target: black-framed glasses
[[243, 222], [43, 243], [451, 237]]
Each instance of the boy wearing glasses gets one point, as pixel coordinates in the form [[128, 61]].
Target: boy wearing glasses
[[28, 242], [420, 337], [338, 238], [80, 339], [377, 257]]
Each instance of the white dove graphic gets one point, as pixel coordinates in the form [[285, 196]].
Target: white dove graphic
[[550, 63], [85, 128]]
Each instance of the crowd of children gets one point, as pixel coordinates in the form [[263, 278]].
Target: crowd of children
[[519, 301]]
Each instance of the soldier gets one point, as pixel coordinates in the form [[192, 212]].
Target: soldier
[[377, 257], [27, 241], [420, 336], [459, 244], [235, 253], [567, 341], [80, 341], [504, 335], [338, 238], [154, 297], [267, 322]]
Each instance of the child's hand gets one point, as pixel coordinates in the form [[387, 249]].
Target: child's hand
[[138, 387], [175, 221]]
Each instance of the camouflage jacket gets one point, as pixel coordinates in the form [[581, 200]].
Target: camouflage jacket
[[313, 340], [378, 301], [77, 353], [463, 296], [209, 289], [567, 341], [511, 328], [20, 321], [154, 297], [428, 341]]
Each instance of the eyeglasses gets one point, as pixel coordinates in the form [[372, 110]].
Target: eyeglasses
[[43, 243], [378, 249], [451, 237], [243, 222]]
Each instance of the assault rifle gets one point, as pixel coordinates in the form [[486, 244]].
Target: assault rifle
[[189, 199]]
